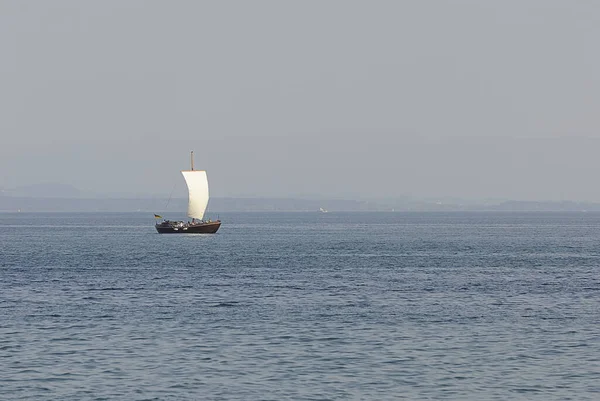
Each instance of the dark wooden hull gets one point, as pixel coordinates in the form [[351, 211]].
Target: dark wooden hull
[[200, 228]]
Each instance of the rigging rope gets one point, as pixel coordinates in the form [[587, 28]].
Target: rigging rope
[[170, 196]]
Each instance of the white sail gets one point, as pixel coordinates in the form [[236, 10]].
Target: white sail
[[197, 184]]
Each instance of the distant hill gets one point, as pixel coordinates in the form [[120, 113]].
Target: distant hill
[[45, 190], [33, 204], [9, 203]]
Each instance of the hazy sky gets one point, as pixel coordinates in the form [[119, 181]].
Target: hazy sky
[[473, 99]]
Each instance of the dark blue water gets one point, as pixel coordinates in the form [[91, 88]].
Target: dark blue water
[[301, 306]]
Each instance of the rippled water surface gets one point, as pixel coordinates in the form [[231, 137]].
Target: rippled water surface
[[301, 306]]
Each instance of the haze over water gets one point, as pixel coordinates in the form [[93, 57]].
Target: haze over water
[[302, 306], [342, 99]]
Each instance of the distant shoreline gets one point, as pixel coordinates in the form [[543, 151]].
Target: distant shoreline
[[10, 204]]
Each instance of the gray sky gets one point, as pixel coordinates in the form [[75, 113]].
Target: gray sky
[[350, 99]]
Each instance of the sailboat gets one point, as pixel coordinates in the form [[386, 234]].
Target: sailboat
[[197, 184]]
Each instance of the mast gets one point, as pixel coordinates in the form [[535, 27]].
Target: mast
[[192, 159]]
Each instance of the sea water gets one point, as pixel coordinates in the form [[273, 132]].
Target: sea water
[[301, 306]]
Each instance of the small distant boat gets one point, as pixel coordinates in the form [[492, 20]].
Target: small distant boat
[[322, 210], [197, 184]]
